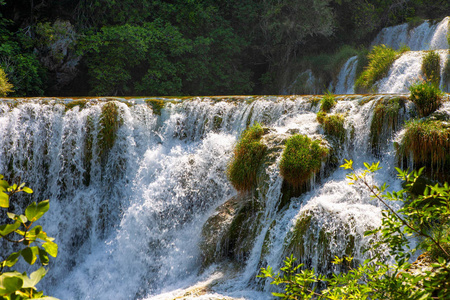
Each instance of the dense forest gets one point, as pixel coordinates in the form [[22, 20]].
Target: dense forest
[[190, 47]]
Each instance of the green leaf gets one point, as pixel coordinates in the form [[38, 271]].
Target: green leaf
[[6, 229], [30, 254], [4, 199], [27, 190], [4, 184], [51, 248], [34, 278], [10, 282], [43, 257], [12, 259], [35, 210]]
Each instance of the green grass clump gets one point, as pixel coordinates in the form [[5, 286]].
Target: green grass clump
[[431, 67], [333, 125], [72, 104], [301, 158], [385, 116], [380, 59], [156, 104], [426, 96], [328, 102], [427, 142], [247, 158], [109, 123]]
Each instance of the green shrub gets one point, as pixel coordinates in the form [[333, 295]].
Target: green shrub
[[431, 67], [333, 125], [328, 102], [5, 86], [156, 105], [30, 241], [426, 96], [429, 143], [378, 277], [301, 158], [380, 60], [247, 158]]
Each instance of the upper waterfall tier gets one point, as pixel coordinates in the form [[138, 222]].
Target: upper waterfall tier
[[427, 36]]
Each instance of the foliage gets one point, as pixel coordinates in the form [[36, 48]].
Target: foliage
[[426, 96], [20, 64], [385, 119], [333, 125], [376, 278], [427, 142], [247, 158], [301, 158], [431, 67], [34, 243], [380, 58], [5, 86], [328, 102], [156, 105]]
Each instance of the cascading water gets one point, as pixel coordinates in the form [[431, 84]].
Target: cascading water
[[346, 78], [427, 36], [128, 219]]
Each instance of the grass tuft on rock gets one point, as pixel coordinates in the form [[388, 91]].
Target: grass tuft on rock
[[385, 120], [431, 67], [426, 96], [333, 125], [301, 159], [109, 124], [427, 143], [248, 155], [328, 102], [380, 59], [156, 104]]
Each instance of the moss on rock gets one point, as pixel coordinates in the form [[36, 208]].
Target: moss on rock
[[247, 158]]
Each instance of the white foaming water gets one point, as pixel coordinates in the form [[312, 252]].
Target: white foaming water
[[128, 226], [346, 78], [426, 36], [406, 70]]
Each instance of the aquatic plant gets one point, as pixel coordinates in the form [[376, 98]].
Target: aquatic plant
[[247, 158], [333, 125], [328, 102], [427, 143], [301, 158], [109, 124], [156, 105], [385, 120], [426, 96], [431, 67]]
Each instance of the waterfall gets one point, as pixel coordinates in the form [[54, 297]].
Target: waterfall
[[427, 36], [346, 78], [128, 218]]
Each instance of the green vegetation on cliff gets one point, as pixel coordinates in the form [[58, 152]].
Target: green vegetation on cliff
[[431, 67], [205, 47]]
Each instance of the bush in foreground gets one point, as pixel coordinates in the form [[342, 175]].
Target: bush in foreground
[[377, 278]]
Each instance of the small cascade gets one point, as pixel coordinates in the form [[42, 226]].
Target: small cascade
[[346, 79], [142, 209], [406, 70], [427, 36]]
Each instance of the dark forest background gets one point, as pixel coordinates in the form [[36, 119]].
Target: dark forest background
[[186, 47]]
